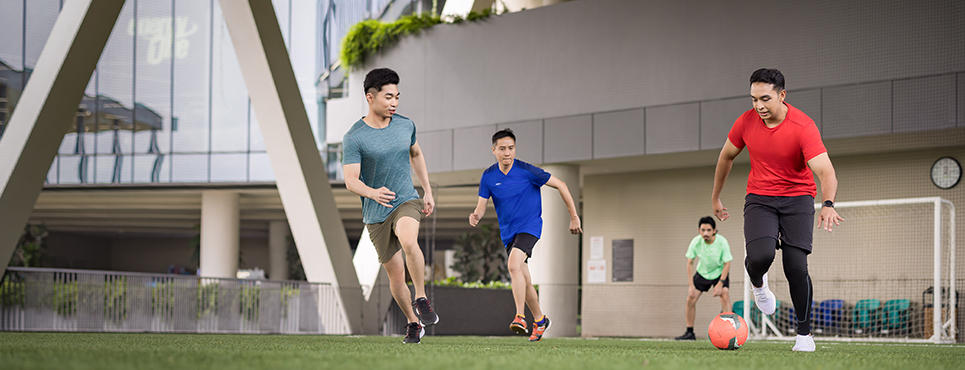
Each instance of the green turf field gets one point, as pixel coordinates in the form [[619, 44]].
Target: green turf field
[[191, 351]]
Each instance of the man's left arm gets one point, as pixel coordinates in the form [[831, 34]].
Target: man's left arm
[[575, 226], [821, 165], [418, 162]]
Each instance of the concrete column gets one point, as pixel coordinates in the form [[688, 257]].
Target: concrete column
[[48, 104], [555, 265], [299, 172], [220, 229], [278, 250]]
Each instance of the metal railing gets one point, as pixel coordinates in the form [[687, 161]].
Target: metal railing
[[42, 299]]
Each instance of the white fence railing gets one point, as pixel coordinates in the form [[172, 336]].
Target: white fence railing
[[41, 299]]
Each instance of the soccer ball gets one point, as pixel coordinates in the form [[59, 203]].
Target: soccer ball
[[727, 331]]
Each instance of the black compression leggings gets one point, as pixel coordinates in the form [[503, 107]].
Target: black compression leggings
[[760, 255]]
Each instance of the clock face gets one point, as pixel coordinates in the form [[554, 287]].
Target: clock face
[[946, 172]]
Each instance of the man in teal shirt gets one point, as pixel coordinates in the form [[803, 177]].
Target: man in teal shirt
[[713, 270]]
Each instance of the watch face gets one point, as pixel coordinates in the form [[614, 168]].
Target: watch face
[[946, 172]]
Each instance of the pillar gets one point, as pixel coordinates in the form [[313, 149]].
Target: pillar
[[278, 250], [555, 265], [220, 229]]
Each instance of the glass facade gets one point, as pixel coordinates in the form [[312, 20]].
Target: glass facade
[[167, 102]]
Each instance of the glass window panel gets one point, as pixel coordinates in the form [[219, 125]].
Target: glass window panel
[[41, 15], [103, 169], [69, 169], [303, 55], [147, 168], [52, 172], [104, 140], [88, 111], [189, 167], [69, 143], [164, 173], [257, 141], [229, 167], [259, 168], [229, 100], [282, 13], [155, 48], [125, 164], [115, 85], [191, 77], [11, 27]]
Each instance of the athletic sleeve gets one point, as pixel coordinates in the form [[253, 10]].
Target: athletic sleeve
[[725, 256], [412, 140], [351, 153], [736, 135], [536, 175], [484, 188], [811, 144], [691, 250]]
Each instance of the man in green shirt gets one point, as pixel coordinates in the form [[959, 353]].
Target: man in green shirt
[[713, 270]]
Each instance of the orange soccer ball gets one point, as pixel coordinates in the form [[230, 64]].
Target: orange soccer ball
[[727, 331]]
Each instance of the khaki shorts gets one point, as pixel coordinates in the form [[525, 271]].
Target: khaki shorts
[[383, 234]]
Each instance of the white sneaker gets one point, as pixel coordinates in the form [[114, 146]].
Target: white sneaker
[[803, 343], [766, 302]]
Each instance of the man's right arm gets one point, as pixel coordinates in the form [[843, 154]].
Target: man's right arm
[[724, 164], [354, 184], [479, 212]]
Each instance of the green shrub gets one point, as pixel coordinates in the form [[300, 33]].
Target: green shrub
[[371, 36]]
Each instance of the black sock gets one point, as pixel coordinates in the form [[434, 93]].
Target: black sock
[[690, 329]]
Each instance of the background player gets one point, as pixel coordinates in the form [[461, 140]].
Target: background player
[[514, 186]]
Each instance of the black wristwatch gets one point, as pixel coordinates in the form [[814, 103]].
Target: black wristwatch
[[828, 203]]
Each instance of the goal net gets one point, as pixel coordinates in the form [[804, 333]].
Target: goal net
[[887, 273]]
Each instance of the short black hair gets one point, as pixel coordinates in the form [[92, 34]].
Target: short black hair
[[379, 77], [769, 76], [707, 220], [503, 133]]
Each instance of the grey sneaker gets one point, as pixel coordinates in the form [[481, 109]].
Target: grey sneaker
[[413, 332], [425, 312]]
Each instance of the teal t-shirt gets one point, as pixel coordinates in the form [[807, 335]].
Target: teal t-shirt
[[384, 158], [711, 257]]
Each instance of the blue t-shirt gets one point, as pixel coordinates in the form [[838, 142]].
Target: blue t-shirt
[[519, 207], [384, 155]]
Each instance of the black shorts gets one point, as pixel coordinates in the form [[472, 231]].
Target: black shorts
[[704, 285], [787, 219], [524, 242]]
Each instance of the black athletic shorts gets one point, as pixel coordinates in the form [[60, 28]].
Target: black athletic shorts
[[524, 242], [787, 219], [704, 285]]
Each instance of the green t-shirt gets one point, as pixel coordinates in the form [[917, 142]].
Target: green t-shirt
[[712, 257]]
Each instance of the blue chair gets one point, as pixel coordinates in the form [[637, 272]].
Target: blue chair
[[792, 318], [829, 317]]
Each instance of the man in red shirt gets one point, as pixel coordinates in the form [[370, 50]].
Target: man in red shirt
[[785, 146]]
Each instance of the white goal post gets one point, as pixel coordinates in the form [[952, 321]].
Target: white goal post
[[879, 254]]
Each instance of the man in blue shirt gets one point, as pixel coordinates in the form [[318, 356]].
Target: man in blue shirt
[[514, 186], [378, 154]]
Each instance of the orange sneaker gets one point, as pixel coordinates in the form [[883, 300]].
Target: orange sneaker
[[518, 325], [538, 330]]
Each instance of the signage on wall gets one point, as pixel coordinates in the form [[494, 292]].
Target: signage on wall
[[157, 32], [596, 271], [623, 260]]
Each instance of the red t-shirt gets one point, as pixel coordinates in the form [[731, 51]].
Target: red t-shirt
[[779, 155]]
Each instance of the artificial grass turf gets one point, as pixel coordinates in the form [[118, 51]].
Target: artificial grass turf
[[204, 351]]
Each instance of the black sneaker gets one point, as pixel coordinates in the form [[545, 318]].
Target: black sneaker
[[687, 336], [425, 312], [413, 332]]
